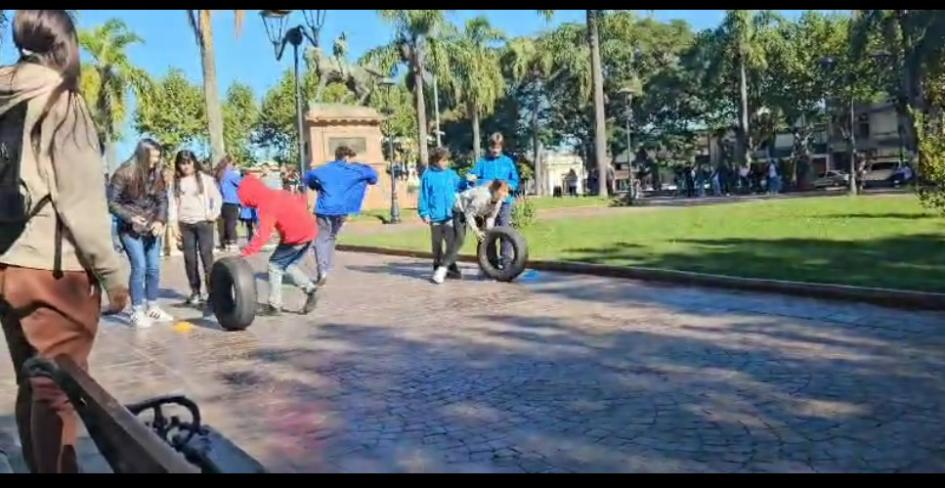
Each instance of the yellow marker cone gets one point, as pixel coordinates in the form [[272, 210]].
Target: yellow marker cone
[[183, 326]]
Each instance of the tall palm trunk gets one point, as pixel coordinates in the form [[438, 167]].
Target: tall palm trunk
[[476, 142], [539, 170], [111, 157], [742, 138], [211, 95], [421, 106], [600, 129]]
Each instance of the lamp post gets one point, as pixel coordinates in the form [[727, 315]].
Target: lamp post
[[388, 83], [828, 64], [628, 93], [275, 22]]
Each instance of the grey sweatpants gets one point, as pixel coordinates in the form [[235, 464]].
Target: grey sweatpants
[[328, 228]]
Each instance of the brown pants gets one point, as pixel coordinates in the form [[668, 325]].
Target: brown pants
[[45, 316]]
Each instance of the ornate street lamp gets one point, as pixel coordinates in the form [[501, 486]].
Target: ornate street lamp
[[628, 92], [275, 22]]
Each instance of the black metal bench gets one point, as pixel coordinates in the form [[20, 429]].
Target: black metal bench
[[160, 444]]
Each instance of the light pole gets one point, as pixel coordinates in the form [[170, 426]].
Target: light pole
[[828, 63], [628, 93], [388, 83], [275, 23]]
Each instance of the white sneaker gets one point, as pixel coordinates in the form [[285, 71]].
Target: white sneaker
[[156, 314], [439, 276], [140, 320]]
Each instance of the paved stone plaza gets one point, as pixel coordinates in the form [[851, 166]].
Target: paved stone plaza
[[556, 373]]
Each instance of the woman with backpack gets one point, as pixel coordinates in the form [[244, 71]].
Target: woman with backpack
[[139, 199], [52, 271], [194, 203]]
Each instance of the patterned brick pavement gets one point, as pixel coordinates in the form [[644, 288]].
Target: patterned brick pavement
[[556, 373]]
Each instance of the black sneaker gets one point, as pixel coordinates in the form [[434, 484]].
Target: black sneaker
[[268, 311], [311, 301], [454, 273]]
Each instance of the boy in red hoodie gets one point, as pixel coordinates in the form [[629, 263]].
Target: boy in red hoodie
[[297, 228]]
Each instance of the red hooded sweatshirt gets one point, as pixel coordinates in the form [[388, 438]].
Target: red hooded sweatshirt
[[286, 212]]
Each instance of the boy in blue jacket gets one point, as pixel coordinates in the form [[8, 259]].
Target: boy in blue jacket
[[438, 187], [498, 166], [341, 185]]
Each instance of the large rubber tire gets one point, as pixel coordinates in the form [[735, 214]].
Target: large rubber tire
[[233, 293], [488, 254]]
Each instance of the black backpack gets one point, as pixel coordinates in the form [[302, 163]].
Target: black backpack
[[16, 209]]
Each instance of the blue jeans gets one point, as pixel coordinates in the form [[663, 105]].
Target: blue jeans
[[284, 261], [116, 242], [328, 228], [144, 254]]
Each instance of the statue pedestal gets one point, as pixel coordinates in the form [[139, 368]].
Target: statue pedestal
[[328, 126]]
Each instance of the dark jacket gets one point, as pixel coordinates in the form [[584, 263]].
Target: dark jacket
[[152, 205]]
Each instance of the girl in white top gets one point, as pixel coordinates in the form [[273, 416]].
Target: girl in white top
[[195, 204]]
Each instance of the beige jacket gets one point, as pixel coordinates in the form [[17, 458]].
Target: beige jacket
[[71, 171], [210, 200]]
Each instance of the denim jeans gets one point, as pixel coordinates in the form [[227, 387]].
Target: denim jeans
[[328, 228], [285, 261], [144, 254]]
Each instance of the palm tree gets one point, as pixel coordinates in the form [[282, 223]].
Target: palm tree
[[107, 80], [600, 124], [413, 29], [740, 40], [3, 24], [477, 72], [527, 61], [200, 22]]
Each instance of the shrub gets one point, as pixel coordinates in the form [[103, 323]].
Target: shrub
[[523, 213], [931, 170]]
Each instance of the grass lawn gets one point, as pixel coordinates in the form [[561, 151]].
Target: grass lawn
[[884, 241], [381, 215], [540, 203], [546, 203]]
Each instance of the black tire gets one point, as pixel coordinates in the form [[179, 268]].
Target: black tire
[[233, 293], [488, 254]]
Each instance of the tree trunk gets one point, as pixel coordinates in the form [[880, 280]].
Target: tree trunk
[[111, 157], [600, 128], [477, 140], [742, 138], [211, 95], [436, 111], [421, 108], [539, 170]]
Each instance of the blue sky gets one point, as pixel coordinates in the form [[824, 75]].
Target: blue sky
[[249, 58]]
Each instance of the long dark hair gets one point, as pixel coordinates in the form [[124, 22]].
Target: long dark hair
[[48, 38], [226, 162], [181, 158], [143, 179]]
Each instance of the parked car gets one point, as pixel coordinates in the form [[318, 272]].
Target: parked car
[[902, 176], [880, 173], [831, 179]]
